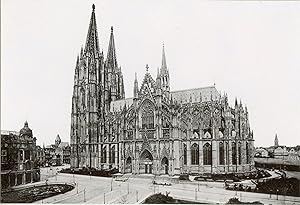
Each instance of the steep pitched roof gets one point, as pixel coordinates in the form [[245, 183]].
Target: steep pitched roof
[[196, 95], [119, 104]]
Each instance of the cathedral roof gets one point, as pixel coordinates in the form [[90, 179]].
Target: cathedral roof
[[119, 104], [196, 95]]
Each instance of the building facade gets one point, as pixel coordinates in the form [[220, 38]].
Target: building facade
[[58, 153], [18, 158], [157, 131]]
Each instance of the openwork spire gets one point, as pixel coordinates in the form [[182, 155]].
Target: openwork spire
[[92, 42], [111, 53], [164, 62]]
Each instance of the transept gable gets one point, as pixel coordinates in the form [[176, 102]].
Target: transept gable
[[147, 89]]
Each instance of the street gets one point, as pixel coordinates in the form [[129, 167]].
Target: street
[[91, 189]]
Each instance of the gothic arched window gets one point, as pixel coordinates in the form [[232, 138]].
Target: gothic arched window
[[112, 155], [227, 152], [247, 153], [207, 154], [240, 153], [147, 116], [233, 148], [195, 154], [103, 154], [184, 154], [221, 153]]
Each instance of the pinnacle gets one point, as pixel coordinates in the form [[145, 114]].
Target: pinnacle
[[164, 62]]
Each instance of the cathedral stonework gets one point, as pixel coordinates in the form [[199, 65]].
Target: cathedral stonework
[[158, 131]]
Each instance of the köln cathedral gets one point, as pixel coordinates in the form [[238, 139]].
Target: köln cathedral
[[158, 131]]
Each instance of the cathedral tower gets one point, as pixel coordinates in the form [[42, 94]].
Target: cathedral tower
[[96, 84], [86, 100]]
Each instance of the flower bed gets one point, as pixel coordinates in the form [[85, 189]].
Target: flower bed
[[35, 193]]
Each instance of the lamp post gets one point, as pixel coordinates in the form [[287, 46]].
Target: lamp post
[[111, 184], [84, 195]]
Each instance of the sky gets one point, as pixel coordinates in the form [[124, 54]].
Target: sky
[[250, 50]]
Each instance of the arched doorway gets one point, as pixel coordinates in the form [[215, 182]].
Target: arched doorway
[[146, 162], [165, 164], [128, 165]]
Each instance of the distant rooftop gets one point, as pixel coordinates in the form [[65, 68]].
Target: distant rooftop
[[7, 132]]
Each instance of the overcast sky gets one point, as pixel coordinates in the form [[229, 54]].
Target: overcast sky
[[251, 50]]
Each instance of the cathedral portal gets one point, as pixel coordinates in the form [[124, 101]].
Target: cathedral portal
[[146, 163]]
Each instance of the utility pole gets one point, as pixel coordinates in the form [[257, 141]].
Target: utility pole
[[104, 198], [137, 196]]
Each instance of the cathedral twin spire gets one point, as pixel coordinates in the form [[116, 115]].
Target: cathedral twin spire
[[92, 42]]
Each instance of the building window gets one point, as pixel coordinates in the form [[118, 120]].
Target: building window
[[233, 148], [112, 155], [184, 154], [195, 154], [221, 153], [247, 153], [3, 155], [147, 116], [227, 153], [240, 153], [103, 154], [207, 154], [21, 155]]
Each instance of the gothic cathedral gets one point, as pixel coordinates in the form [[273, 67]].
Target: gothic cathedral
[[157, 131]]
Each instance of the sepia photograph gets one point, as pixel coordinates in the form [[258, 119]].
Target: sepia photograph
[[150, 102]]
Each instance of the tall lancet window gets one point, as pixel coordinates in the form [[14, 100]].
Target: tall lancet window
[[82, 97], [103, 154], [221, 153], [147, 116], [247, 153], [227, 152], [207, 154], [112, 155], [184, 154], [195, 154], [234, 155], [240, 152]]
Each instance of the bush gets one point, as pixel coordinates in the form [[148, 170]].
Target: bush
[[91, 171], [235, 200], [160, 199]]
